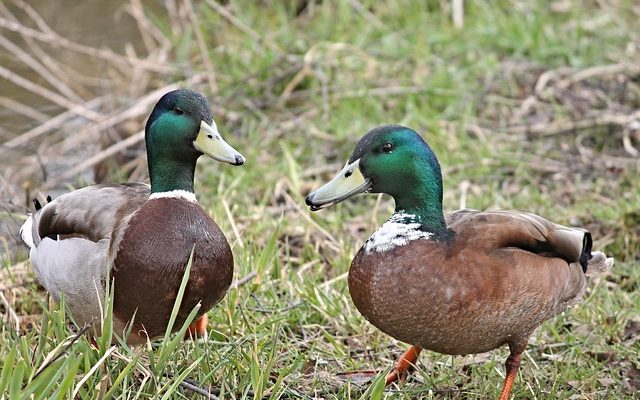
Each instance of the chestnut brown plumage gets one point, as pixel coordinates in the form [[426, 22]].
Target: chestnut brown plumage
[[467, 282], [140, 236]]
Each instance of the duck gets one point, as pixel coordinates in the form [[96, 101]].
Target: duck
[[462, 283], [139, 236]]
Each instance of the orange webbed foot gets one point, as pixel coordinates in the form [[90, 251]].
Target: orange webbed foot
[[404, 365]]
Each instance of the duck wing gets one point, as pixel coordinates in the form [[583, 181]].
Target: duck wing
[[70, 241], [531, 233], [93, 212]]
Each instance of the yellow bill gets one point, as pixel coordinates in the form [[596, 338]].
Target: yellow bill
[[211, 143], [348, 182]]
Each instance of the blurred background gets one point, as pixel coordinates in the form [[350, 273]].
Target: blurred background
[[550, 85], [532, 105]]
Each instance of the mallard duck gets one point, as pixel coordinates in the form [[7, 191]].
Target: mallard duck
[[141, 235], [468, 282]]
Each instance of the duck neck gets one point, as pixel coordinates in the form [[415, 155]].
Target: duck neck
[[170, 175], [424, 206]]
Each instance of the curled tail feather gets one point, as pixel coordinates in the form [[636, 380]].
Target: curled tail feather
[[598, 264]]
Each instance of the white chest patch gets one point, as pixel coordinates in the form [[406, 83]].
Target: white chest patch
[[395, 232], [26, 232], [176, 194]]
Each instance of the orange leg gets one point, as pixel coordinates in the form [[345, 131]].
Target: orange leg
[[512, 365], [404, 365], [198, 329]]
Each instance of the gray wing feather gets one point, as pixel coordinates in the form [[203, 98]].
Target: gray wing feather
[[76, 268], [93, 212], [70, 240]]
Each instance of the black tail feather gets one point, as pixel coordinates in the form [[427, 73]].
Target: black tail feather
[[585, 256], [37, 203]]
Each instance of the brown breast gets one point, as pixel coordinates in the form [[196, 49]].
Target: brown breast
[[151, 261], [461, 296]]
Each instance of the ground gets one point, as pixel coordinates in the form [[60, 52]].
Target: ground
[[528, 105]]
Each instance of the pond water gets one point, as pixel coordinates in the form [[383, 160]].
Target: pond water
[[32, 31], [94, 23]]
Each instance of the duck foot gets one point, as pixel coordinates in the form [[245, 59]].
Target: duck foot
[[197, 329], [512, 365], [404, 365]]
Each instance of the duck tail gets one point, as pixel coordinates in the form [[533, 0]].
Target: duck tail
[[593, 263], [26, 232], [598, 264]]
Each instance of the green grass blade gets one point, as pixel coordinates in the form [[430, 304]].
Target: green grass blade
[[178, 302], [177, 380], [66, 386], [16, 380], [121, 376], [7, 368]]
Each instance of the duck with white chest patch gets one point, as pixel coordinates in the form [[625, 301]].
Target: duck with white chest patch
[[140, 236], [467, 282]]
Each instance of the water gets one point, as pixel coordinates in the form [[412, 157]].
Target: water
[[94, 23]]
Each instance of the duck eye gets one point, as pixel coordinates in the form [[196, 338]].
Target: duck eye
[[387, 147], [178, 110]]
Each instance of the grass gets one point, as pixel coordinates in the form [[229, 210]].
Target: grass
[[295, 89]]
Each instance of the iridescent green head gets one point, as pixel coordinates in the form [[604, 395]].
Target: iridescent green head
[[395, 160], [180, 129]]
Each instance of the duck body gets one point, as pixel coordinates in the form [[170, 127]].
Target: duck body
[[138, 236], [185, 227], [480, 288], [463, 283]]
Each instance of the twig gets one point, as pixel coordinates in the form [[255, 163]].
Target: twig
[[202, 46], [558, 127], [458, 13], [279, 310], [95, 159], [106, 54], [50, 124], [92, 371], [190, 385], [62, 352], [338, 278], [47, 94], [243, 280], [234, 227], [243, 27], [369, 16], [626, 143], [306, 216], [39, 68], [20, 108], [148, 29], [598, 70], [12, 313]]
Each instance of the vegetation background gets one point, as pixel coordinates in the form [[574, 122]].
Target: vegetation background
[[530, 105]]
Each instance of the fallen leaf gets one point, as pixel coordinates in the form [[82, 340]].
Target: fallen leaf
[[309, 366], [603, 356], [632, 385], [632, 328], [574, 384], [358, 377], [606, 381]]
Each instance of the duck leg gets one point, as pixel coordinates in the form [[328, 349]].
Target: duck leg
[[403, 365], [198, 329], [512, 366]]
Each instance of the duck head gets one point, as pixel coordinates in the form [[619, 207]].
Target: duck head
[[390, 159], [179, 130]]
